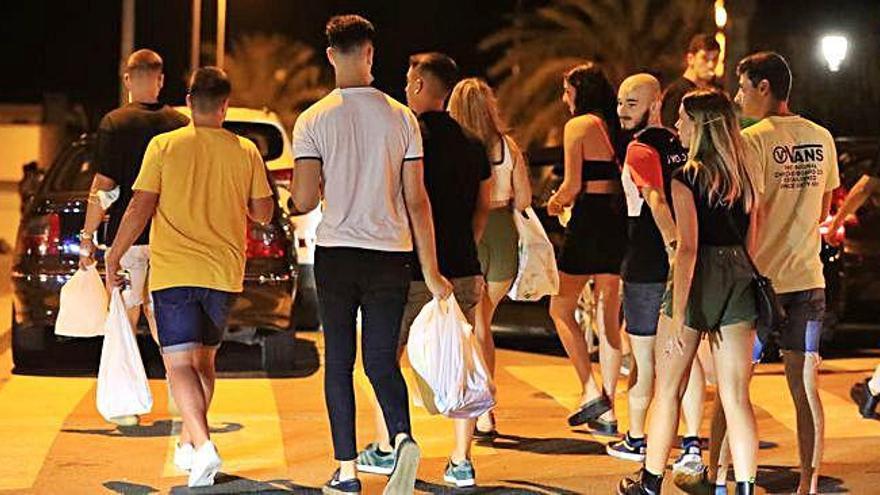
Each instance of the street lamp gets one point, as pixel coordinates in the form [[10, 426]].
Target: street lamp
[[834, 49], [720, 37]]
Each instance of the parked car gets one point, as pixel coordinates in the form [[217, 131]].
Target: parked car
[[47, 254], [852, 271], [264, 128]]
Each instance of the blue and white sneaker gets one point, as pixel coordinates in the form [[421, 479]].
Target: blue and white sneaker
[[462, 475], [691, 459], [628, 449], [336, 487], [372, 460]]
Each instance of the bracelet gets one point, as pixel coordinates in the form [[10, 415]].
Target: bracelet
[[85, 236]]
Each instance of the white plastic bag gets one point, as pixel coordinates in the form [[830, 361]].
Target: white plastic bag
[[123, 389], [453, 378], [537, 275], [83, 306]]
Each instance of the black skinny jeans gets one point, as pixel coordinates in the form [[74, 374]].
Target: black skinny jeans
[[375, 282]]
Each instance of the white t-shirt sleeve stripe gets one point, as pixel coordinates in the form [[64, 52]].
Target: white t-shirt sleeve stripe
[[304, 145], [413, 138]]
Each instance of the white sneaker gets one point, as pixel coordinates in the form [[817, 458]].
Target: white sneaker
[[130, 420], [183, 456], [205, 465]]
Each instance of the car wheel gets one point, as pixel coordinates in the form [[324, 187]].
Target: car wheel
[[279, 352], [27, 345], [305, 309]]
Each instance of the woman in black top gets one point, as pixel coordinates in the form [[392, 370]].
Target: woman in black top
[[595, 237], [715, 204]]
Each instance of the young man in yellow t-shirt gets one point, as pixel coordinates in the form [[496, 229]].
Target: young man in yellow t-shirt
[[797, 163], [198, 184]]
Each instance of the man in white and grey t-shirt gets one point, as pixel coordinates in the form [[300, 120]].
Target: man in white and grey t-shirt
[[363, 151]]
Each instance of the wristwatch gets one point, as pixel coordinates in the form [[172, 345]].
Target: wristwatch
[[86, 236]]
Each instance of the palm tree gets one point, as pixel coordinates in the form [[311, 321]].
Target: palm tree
[[275, 72], [623, 35]]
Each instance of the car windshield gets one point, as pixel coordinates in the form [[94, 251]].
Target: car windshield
[[73, 172], [267, 137]]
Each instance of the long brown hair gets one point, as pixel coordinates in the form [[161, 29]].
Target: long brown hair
[[717, 155], [473, 105]]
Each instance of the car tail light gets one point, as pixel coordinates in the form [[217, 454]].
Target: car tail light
[[264, 241], [42, 235], [282, 177], [839, 236]]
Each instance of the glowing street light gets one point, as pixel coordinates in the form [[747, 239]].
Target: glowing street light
[[834, 49], [720, 37]]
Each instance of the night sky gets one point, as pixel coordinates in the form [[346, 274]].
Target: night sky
[[72, 48]]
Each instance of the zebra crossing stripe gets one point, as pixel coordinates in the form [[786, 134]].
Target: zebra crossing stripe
[[32, 413]]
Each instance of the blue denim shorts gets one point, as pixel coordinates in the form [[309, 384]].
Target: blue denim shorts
[[191, 317], [641, 307]]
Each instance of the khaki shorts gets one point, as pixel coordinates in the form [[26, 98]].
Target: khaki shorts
[[467, 291], [137, 262], [499, 248]]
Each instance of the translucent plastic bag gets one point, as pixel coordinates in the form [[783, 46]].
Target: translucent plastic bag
[[123, 389], [453, 378], [83, 306], [537, 275]]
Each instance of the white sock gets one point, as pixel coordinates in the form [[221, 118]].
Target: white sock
[[874, 384]]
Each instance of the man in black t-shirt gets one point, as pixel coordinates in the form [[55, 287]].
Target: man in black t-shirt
[[457, 173], [702, 57], [122, 139], [651, 157]]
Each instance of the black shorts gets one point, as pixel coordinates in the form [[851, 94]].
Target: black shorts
[[802, 330], [595, 237]]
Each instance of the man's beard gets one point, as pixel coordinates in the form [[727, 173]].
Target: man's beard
[[643, 122]]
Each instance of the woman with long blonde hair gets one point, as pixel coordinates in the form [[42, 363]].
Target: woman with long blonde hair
[[473, 104], [712, 290]]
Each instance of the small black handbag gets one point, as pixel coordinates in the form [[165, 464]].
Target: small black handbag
[[771, 313]]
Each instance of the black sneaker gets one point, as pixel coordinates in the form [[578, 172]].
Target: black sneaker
[[633, 485], [336, 487], [628, 449], [867, 402]]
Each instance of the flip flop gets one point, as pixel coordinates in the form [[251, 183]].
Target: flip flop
[[603, 428], [590, 411]]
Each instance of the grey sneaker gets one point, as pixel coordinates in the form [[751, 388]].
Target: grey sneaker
[[406, 463], [461, 475], [371, 460]]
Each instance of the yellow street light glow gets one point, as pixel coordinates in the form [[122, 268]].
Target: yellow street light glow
[[834, 48], [720, 14], [721, 23]]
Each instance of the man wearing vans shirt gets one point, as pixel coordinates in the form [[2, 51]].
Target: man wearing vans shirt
[[797, 162], [362, 151]]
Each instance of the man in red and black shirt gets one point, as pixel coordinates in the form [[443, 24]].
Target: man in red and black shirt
[[651, 157]]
